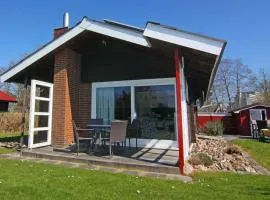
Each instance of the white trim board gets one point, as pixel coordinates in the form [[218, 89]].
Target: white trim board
[[183, 38]]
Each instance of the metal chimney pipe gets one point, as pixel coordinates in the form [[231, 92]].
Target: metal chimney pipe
[[66, 20]]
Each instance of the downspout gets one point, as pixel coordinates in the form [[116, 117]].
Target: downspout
[[178, 66]]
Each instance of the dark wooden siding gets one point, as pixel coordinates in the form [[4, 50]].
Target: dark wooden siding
[[3, 106], [117, 62]]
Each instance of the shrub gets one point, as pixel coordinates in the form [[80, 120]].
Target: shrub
[[214, 128], [200, 159], [233, 150], [10, 122]]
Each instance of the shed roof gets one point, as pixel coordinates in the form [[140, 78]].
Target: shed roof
[[5, 97], [250, 106]]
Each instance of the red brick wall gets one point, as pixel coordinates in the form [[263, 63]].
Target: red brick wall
[[71, 98]]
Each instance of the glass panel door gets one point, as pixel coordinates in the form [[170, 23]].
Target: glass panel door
[[113, 103], [155, 108], [40, 117]]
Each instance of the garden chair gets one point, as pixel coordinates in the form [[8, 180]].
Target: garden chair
[[83, 137], [117, 133], [134, 131]]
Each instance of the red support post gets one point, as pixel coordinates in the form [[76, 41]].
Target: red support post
[[178, 63]]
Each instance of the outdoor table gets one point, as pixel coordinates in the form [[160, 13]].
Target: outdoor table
[[98, 129]]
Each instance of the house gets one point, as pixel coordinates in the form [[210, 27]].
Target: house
[[246, 116], [106, 69], [5, 99]]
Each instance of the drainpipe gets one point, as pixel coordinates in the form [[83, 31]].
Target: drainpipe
[[178, 66], [23, 111]]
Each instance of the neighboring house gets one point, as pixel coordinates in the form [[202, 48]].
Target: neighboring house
[[105, 69], [5, 99], [240, 121]]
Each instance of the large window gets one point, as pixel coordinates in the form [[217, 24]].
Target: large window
[[155, 108], [150, 102], [113, 103]]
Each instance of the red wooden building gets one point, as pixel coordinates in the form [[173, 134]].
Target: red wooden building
[[246, 116], [5, 99], [239, 121]]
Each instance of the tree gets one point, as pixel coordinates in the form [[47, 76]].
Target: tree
[[232, 78], [263, 86]]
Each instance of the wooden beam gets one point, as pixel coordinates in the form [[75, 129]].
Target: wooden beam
[[178, 76], [23, 111]]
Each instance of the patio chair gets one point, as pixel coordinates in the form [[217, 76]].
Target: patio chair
[[118, 133], [83, 137], [134, 131]]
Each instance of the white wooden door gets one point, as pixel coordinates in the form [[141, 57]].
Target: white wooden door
[[40, 116]]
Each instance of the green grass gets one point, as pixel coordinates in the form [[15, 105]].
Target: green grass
[[28, 180], [260, 151], [6, 150]]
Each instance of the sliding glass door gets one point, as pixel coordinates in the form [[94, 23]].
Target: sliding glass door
[[155, 108], [150, 102]]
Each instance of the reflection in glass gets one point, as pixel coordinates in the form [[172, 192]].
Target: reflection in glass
[[41, 106], [40, 136], [155, 108], [113, 103], [42, 91], [41, 121]]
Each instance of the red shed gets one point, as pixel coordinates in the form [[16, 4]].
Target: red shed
[[5, 99], [247, 115]]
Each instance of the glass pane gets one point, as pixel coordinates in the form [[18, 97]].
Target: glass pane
[[155, 108], [41, 106], [41, 121], [40, 136], [42, 91], [113, 103], [255, 114]]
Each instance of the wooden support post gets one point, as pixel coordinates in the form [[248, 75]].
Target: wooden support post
[[23, 111], [178, 65]]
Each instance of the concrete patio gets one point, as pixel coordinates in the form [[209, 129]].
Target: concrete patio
[[150, 160]]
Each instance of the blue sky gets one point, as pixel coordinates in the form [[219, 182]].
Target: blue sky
[[26, 25]]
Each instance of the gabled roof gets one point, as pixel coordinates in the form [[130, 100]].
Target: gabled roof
[[250, 106], [6, 97], [129, 34]]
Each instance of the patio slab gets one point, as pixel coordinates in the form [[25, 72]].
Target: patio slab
[[149, 160]]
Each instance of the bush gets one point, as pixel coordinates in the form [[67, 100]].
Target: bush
[[11, 122], [214, 128], [200, 159]]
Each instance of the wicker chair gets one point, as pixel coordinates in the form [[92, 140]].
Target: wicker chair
[[83, 137]]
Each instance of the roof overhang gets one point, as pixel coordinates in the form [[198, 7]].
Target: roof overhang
[[169, 35], [85, 25], [184, 38]]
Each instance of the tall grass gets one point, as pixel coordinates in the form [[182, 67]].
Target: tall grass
[[11, 122]]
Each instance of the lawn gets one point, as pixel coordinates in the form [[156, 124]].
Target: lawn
[[6, 150], [28, 180], [260, 151]]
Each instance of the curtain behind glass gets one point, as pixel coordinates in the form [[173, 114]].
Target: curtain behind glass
[[105, 104]]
